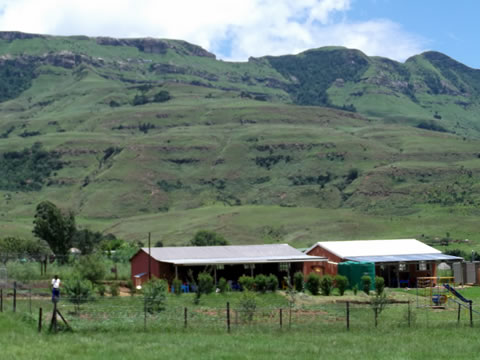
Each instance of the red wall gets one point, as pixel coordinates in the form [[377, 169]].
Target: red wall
[[139, 264], [328, 268]]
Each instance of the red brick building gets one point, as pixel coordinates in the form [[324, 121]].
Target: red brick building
[[229, 262], [400, 262]]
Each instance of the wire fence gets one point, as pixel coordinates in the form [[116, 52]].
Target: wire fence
[[35, 305]]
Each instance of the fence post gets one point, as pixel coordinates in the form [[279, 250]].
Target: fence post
[[40, 320], [228, 316], [409, 314], [185, 317], [1, 300], [458, 314], [471, 314], [54, 317], [281, 320], [14, 296], [145, 315], [30, 300], [348, 315]]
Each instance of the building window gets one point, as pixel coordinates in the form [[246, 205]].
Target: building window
[[220, 267], [423, 266], [283, 266], [402, 267]]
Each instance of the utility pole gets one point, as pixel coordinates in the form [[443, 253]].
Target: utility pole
[[149, 258]]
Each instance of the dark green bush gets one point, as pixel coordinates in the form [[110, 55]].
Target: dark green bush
[[161, 96], [341, 283], [246, 282], [272, 283], [92, 268], [313, 283], [205, 283], [114, 289], [223, 285], [248, 305], [379, 285], [326, 284], [155, 295], [298, 281], [261, 283], [366, 284], [177, 286], [101, 289], [79, 291]]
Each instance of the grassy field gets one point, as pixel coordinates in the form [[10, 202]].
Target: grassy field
[[320, 332]]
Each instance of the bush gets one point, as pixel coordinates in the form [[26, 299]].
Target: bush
[[101, 290], [248, 305], [246, 282], [298, 281], [341, 283], [114, 289], [272, 283], [355, 289], [223, 285], [313, 283], [366, 283], [79, 291], [155, 295], [92, 268], [261, 283], [205, 283], [177, 286], [161, 96], [131, 287], [379, 285], [326, 284]]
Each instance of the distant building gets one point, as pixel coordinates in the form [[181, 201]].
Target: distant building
[[400, 262], [229, 262]]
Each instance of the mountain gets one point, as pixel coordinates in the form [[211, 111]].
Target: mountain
[[138, 135]]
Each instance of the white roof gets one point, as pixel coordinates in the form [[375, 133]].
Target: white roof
[[234, 254], [356, 248]]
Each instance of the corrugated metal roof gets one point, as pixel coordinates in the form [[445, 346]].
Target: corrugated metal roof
[[234, 254], [405, 258], [356, 248]]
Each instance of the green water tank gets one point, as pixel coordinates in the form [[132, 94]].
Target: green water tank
[[354, 270]]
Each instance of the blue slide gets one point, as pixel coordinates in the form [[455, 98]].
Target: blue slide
[[456, 293]]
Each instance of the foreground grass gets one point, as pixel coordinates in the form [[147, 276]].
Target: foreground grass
[[394, 343]]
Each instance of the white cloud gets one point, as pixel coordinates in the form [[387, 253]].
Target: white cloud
[[247, 27]]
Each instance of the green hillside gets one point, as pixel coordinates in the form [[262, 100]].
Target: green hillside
[[138, 135]]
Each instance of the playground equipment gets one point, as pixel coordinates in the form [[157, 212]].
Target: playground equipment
[[434, 292]]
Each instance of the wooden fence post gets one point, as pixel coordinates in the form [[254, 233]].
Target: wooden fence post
[[53, 323], [1, 300], [145, 315], [185, 317], [281, 322], [14, 296], [228, 316], [348, 315], [40, 320], [409, 315], [458, 314], [30, 300], [471, 314]]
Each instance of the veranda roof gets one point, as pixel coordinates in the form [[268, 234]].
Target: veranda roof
[[234, 254]]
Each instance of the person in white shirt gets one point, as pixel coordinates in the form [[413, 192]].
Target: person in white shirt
[[55, 288]]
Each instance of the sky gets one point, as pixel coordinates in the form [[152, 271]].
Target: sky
[[234, 30]]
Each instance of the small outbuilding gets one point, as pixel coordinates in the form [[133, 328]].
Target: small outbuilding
[[400, 262], [229, 262]]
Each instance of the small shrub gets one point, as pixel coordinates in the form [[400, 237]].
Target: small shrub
[[246, 282], [298, 281], [114, 289], [92, 268], [79, 291], [261, 283], [161, 96], [101, 290], [223, 285], [131, 287], [341, 283], [155, 295], [366, 284], [355, 289], [272, 283], [326, 284], [248, 305], [379, 285], [177, 286], [205, 283], [313, 283]]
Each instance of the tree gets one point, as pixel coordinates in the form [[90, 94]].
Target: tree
[[86, 240], [56, 228], [155, 295], [78, 291], [208, 238], [14, 248], [161, 96], [92, 268]]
